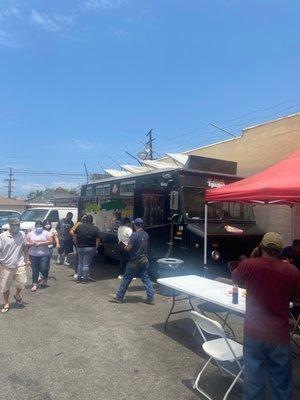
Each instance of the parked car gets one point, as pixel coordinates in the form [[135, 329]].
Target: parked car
[[54, 214]]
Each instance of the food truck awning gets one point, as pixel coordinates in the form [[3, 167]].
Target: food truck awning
[[278, 184]]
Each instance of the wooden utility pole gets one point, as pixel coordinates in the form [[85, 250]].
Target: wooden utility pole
[[10, 181]]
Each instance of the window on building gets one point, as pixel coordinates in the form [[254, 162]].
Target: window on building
[[89, 191], [127, 188], [103, 190]]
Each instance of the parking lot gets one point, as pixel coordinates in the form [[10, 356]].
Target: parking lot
[[70, 342]]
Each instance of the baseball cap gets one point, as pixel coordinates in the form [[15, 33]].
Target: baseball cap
[[138, 221], [272, 239], [14, 221]]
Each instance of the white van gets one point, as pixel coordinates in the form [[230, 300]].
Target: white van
[[29, 217]]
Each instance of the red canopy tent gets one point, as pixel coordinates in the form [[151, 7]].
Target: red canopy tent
[[279, 184]]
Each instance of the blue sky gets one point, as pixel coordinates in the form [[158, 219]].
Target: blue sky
[[82, 80]]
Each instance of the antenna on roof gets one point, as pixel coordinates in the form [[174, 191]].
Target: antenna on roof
[[116, 162], [133, 157], [102, 168], [221, 129]]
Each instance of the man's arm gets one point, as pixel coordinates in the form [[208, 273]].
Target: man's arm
[[130, 243], [240, 273], [26, 255]]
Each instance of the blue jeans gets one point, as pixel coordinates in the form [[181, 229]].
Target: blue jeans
[[129, 275], [261, 358], [39, 265], [85, 258]]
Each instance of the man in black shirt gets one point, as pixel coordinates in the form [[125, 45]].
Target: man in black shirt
[[87, 239], [138, 263], [65, 239]]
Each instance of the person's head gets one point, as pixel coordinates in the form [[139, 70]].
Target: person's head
[[125, 221], [14, 225], [38, 227], [271, 244], [69, 216], [89, 219], [296, 245], [138, 223], [83, 218], [47, 224]]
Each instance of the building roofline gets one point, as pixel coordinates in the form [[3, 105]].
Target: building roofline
[[211, 145], [272, 121]]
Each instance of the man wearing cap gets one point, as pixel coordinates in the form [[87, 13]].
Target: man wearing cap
[[271, 285], [138, 263], [13, 261]]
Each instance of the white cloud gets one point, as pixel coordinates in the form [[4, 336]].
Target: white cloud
[[28, 187], [7, 40], [92, 5], [57, 23], [82, 144], [9, 12], [122, 33], [64, 184]]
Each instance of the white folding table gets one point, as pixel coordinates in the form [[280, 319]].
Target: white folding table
[[204, 289]]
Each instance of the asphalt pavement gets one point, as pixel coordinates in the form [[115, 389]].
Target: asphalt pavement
[[69, 341]]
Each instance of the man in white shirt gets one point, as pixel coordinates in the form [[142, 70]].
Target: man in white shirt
[[13, 262], [124, 233]]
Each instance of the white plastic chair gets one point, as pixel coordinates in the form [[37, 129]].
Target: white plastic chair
[[295, 325], [221, 350]]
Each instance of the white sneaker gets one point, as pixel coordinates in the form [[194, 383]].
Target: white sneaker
[[58, 260], [66, 262], [34, 288], [134, 279], [75, 276], [120, 277]]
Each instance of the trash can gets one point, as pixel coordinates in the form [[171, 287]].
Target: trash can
[[167, 268]]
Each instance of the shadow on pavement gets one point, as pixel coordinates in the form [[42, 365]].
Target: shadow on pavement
[[182, 332]]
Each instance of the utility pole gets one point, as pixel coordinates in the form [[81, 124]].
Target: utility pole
[[150, 143], [10, 181]]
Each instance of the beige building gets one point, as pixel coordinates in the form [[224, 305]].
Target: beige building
[[257, 148], [11, 204]]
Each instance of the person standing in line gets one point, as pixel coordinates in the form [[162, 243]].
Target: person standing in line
[[65, 239], [72, 230], [87, 239], [138, 263], [292, 253], [47, 225], [271, 285], [124, 233], [38, 241], [14, 260]]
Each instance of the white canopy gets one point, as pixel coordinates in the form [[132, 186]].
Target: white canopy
[[178, 158], [116, 173]]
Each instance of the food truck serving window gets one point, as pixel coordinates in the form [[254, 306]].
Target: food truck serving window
[[127, 188], [194, 204], [233, 211], [153, 205]]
